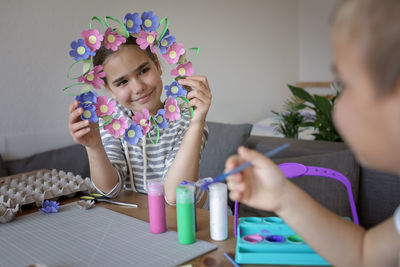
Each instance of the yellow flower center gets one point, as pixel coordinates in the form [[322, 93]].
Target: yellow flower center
[[172, 54], [150, 39], [92, 39], [159, 119], [174, 89], [81, 50], [103, 108], [111, 38], [147, 23], [164, 43], [129, 23], [87, 114], [143, 122], [90, 77], [171, 108], [116, 126], [131, 133], [182, 71]]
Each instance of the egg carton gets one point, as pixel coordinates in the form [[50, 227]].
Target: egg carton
[[28, 189]]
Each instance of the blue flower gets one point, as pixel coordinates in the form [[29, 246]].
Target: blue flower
[[88, 97], [150, 21], [50, 206], [133, 22], [89, 112], [175, 90], [166, 42], [80, 50], [133, 133], [160, 119]]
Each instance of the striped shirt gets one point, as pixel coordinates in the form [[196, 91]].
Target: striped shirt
[[159, 156]]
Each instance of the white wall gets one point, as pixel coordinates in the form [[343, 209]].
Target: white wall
[[248, 49]]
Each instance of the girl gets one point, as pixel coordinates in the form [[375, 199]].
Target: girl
[[133, 78], [366, 45]]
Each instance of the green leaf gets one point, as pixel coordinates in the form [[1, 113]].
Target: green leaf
[[301, 93], [323, 104]]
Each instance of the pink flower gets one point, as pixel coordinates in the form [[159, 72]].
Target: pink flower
[[145, 39], [113, 40], [172, 111], [103, 107], [117, 127], [93, 77], [173, 53], [92, 38], [183, 70], [142, 119]]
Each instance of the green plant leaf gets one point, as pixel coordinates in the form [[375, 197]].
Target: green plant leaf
[[323, 104], [301, 93]]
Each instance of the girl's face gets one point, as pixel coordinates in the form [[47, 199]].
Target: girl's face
[[370, 124], [134, 79]]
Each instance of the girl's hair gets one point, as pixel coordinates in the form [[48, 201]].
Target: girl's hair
[[103, 53], [374, 25]]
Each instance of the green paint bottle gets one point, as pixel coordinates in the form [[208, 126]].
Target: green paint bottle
[[185, 214]]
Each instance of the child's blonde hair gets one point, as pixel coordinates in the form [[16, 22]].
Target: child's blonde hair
[[374, 26]]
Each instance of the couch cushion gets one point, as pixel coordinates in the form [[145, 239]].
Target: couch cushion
[[223, 141], [70, 159], [329, 192], [3, 168], [379, 196]]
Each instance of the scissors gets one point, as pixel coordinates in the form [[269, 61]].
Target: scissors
[[100, 197]]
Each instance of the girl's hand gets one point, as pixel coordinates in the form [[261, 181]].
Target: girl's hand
[[261, 185], [82, 131], [200, 98]]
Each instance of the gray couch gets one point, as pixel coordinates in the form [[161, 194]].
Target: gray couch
[[376, 194]]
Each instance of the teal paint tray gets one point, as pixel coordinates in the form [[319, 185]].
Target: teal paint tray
[[269, 240]]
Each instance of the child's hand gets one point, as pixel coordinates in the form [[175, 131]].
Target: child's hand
[[200, 98], [261, 185], [82, 131]]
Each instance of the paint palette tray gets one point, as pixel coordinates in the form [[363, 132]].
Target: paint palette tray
[[269, 240]]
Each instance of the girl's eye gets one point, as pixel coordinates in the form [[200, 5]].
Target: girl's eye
[[143, 71], [123, 82]]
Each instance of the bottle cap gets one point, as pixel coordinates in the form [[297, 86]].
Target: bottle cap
[[185, 193], [155, 187], [218, 190]]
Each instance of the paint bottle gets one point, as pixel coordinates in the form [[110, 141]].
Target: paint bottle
[[218, 193], [155, 192], [194, 190], [185, 214]]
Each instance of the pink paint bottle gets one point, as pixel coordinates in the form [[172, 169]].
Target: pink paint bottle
[[155, 192]]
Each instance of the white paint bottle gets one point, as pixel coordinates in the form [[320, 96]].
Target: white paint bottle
[[218, 195]]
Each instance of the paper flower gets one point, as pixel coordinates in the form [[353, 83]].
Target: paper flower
[[80, 50], [103, 107], [173, 53], [175, 90], [92, 38], [88, 97], [150, 21], [94, 77], [89, 112], [172, 111], [117, 127], [133, 22], [133, 134], [50, 206], [166, 42], [160, 119], [112, 40], [142, 118], [146, 39], [183, 70]]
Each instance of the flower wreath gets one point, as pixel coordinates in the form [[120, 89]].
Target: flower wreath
[[145, 29]]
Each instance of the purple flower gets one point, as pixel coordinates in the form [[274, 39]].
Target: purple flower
[[89, 112], [88, 97], [166, 42], [160, 119], [133, 22], [150, 21], [133, 134], [50, 206], [80, 50], [175, 90]]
